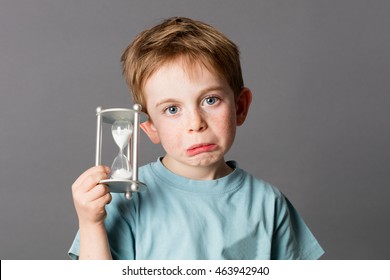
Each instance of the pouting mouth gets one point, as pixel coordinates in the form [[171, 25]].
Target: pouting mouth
[[193, 147], [200, 148]]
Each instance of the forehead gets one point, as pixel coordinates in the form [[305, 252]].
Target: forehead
[[191, 65], [182, 75]]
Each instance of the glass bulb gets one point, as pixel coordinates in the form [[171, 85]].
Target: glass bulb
[[121, 132]]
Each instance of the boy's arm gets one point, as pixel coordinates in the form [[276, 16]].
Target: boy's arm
[[94, 243], [90, 199]]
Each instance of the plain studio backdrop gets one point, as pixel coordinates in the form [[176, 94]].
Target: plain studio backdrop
[[318, 128]]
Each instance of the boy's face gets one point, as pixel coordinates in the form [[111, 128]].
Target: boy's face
[[193, 114]]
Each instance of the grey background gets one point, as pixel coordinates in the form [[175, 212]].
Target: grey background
[[318, 126]]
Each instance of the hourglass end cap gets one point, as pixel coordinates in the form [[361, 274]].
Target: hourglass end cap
[[98, 109], [137, 107], [128, 195]]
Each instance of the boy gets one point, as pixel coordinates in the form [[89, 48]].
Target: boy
[[187, 77]]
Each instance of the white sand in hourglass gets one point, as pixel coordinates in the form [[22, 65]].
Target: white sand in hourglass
[[121, 132]]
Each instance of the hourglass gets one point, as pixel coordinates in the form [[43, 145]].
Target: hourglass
[[125, 132]]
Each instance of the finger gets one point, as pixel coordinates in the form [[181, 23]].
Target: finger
[[88, 172], [90, 182], [102, 201], [97, 192]]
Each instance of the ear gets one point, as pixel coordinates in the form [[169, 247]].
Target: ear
[[243, 101], [151, 131]]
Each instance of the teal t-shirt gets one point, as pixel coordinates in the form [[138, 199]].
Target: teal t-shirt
[[235, 217]]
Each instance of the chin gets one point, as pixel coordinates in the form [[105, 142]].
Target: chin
[[204, 160]]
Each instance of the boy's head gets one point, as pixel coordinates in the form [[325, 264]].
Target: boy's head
[[187, 77], [176, 37]]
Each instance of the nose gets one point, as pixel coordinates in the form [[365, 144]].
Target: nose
[[196, 121]]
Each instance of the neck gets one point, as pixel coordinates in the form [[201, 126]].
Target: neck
[[209, 172]]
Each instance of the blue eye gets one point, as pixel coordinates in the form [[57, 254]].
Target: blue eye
[[172, 110], [211, 100]]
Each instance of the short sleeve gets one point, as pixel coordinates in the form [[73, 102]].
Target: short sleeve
[[120, 226], [74, 250], [292, 239]]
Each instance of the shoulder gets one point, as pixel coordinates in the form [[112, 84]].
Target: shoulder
[[292, 237], [147, 167], [259, 186], [150, 170]]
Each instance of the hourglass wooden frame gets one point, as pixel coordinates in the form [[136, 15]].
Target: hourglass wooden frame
[[109, 116]]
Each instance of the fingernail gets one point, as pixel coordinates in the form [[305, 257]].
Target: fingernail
[[108, 169]]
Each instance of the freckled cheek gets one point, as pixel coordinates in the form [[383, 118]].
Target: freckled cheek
[[224, 125], [171, 137], [229, 131], [222, 118]]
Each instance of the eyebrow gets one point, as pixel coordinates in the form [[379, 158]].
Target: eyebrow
[[165, 101], [206, 90]]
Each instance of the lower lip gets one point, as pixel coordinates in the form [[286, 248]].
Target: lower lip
[[201, 149]]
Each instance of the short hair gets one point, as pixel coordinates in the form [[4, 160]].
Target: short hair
[[177, 37]]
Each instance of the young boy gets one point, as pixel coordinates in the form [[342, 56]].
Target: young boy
[[187, 77]]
